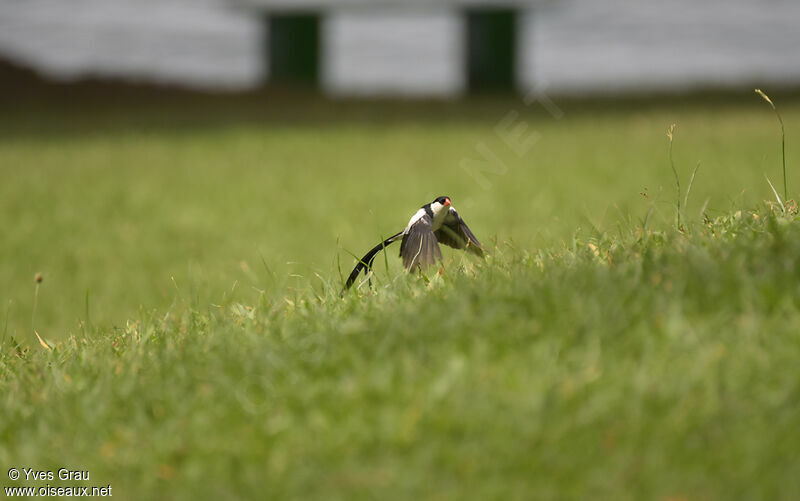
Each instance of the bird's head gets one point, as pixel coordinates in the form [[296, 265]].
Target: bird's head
[[440, 204]]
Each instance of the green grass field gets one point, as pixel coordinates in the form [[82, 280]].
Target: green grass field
[[190, 255]]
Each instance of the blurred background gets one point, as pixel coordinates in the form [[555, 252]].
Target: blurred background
[[400, 48], [158, 150]]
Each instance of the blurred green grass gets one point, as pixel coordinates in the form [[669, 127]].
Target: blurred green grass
[[641, 365], [135, 201], [586, 358]]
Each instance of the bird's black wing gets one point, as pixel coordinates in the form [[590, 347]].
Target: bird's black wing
[[455, 233], [419, 247], [365, 263]]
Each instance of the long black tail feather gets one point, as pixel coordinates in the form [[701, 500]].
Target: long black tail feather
[[365, 263]]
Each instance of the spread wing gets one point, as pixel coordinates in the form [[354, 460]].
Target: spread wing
[[419, 247], [455, 233]]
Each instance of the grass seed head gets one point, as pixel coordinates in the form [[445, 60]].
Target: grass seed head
[[671, 131], [38, 278], [765, 98]]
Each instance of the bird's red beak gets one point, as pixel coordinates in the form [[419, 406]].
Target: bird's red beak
[[446, 202]]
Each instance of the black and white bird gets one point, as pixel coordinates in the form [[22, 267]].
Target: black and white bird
[[434, 223]]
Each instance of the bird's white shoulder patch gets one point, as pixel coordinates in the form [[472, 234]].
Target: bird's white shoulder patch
[[416, 217]]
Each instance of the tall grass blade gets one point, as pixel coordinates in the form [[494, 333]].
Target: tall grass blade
[[670, 135], [651, 211], [38, 280], [777, 197], [783, 138], [648, 216], [385, 257], [326, 285], [42, 342], [689, 188], [339, 268], [266, 267], [704, 207]]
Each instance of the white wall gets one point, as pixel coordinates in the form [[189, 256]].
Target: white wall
[[393, 52], [192, 42], [640, 45]]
